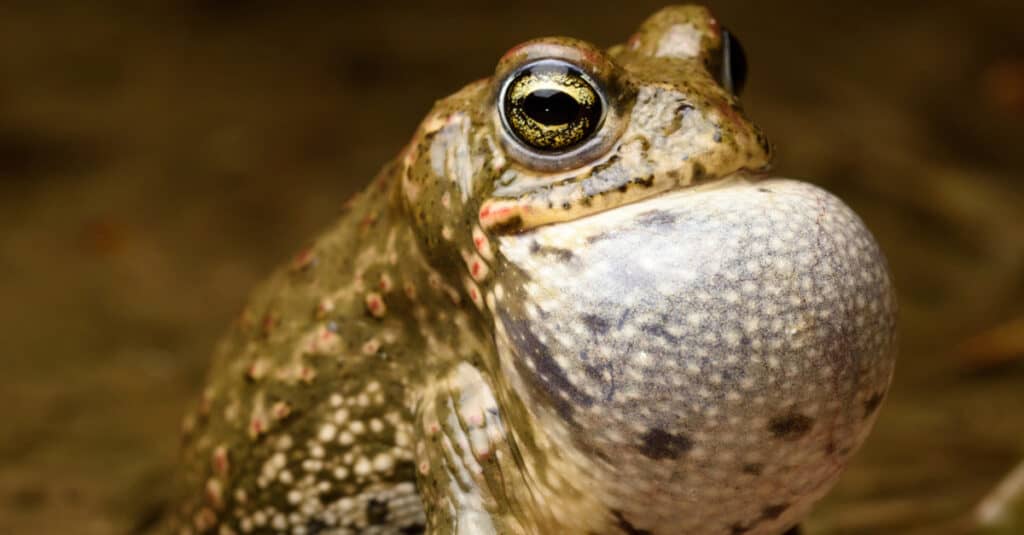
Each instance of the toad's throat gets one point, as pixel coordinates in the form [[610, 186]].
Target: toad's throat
[[671, 325]]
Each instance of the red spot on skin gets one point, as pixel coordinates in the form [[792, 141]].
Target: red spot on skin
[[371, 346], [257, 426], [304, 260], [375, 305], [490, 215], [473, 294], [475, 270], [322, 308], [367, 222], [592, 56], [255, 371], [713, 23], [731, 114], [268, 324], [220, 461], [280, 410], [351, 201], [478, 241]]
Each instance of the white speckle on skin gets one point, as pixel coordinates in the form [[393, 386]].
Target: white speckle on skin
[[327, 432], [362, 467], [383, 462]]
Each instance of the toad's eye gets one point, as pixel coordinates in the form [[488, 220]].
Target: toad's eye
[[551, 106]]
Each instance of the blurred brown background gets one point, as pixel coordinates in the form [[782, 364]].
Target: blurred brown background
[[158, 158]]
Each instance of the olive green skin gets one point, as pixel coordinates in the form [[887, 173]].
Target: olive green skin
[[427, 364]]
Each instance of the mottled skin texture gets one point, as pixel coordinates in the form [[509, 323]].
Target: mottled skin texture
[[645, 335]]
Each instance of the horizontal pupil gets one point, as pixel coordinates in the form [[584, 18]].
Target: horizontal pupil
[[551, 107]]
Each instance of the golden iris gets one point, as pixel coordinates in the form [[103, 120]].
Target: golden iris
[[551, 106]]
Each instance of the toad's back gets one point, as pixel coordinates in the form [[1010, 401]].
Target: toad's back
[[573, 304]]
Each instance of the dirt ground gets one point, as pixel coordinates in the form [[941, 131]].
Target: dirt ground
[[137, 140]]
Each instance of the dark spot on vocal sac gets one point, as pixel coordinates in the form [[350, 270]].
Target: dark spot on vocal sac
[[595, 324], [558, 253], [549, 379], [627, 526], [754, 469], [871, 404], [376, 512], [656, 218], [764, 190], [658, 331], [774, 511], [601, 374], [791, 426], [659, 444]]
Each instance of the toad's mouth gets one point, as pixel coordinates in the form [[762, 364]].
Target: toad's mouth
[[559, 203]]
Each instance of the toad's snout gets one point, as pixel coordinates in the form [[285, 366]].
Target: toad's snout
[[746, 329]]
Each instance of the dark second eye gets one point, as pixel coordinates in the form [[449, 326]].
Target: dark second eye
[[734, 63], [551, 106]]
